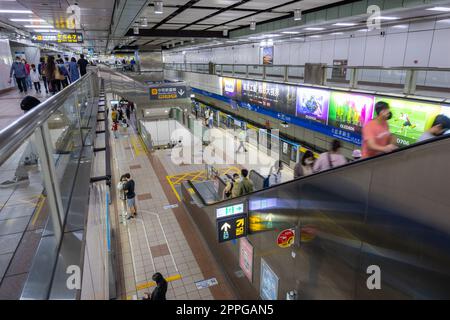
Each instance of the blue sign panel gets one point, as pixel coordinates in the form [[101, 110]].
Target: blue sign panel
[[269, 282]]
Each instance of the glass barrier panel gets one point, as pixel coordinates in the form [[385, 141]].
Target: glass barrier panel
[[274, 72], [255, 71], [296, 74], [240, 70]]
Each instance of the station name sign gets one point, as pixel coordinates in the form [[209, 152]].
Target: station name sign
[[57, 37]]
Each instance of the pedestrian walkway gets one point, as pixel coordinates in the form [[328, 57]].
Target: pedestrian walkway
[[162, 238]]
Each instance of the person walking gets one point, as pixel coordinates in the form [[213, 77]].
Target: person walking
[[114, 128], [331, 158], [377, 139], [82, 63], [159, 293], [35, 78], [128, 187], [242, 136], [29, 156], [245, 186], [74, 74], [51, 73], [275, 173], [64, 73], [114, 115], [41, 69], [28, 78], [20, 74], [305, 166]]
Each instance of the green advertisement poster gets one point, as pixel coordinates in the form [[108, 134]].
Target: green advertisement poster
[[410, 118]]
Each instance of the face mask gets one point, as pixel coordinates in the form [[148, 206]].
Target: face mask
[[389, 117], [309, 161]]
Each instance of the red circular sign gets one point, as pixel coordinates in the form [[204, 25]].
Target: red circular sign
[[286, 238]]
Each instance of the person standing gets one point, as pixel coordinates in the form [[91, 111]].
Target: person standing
[[74, 74], [51, 72], [114, 114], [28, 70], [29, 156], [159, 293], [114, 128], [331, 158], [440, 125], [128, 187], [356, 154], [275, 173], [245, 186], [20, 74], [41, 69], [64, 77], [305, 166], [377, 139], [82, 63], [35, 78]]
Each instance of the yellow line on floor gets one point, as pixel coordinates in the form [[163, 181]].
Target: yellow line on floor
[[173, 188], [38, 209], [152, 283], [137, 151]]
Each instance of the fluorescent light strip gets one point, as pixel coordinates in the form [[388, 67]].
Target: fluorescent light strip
[[38, 26], [290, 32], [16, 11], [27, 20], [344, 24], [442, 9], [385, 18], [337, 33], [45, 30], [314, 29]]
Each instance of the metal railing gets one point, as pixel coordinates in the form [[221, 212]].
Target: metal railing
[[406, 80]]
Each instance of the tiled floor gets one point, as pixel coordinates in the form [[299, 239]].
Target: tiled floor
[[155, 241]]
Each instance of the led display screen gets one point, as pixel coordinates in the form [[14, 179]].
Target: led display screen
[[312, 104], [350, 111]]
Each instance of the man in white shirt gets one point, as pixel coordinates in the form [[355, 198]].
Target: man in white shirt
[[242, 139], [330, 159]]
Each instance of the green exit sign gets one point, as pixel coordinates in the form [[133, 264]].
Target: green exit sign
[[230, 210]]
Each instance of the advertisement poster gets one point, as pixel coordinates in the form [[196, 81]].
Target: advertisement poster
[[312, 104], [274, 96], [267, 55], [269, 282], [410, 118], [231, 87], [246, 258], [350, 111]]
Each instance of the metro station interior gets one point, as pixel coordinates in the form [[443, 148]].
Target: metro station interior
[[224, 150]]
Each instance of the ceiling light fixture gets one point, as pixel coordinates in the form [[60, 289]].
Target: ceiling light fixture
[[144, 22], [337, 33], [136, 30], [385, 18], [314, 29], [297, 15], [38, 26], [290, 32], [225, 31], [253, 25], [442, 9], [344, 24], [27, 20], [44, 30], [158, 7], [16, 11]]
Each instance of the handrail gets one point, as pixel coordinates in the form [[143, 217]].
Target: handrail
[[14, 134]]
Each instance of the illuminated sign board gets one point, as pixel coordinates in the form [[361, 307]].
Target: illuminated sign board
[[57, 37], [168, 92], [232, 228], [230, 210]]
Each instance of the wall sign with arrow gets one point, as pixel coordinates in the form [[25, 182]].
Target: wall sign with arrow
[[167, 92]]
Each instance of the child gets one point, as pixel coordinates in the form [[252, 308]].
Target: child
[[35, 78], [114, 129]]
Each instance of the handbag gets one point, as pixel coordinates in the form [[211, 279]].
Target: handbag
[[58, 74]]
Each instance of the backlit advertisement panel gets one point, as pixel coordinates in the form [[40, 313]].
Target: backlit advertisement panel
[[312, 104], [410, 119], [350, 111], [273, 96], [231, 87]]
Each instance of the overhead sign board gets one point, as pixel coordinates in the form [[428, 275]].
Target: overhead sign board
[[57, 37], [168, 92], [232, 228], [230, 210]]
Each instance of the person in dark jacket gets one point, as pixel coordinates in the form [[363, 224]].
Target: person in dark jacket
[[41, 69], [29, 156], [161, 287], [20, 73]]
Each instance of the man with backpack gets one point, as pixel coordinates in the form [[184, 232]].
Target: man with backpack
[[29, 156], [230, 191]]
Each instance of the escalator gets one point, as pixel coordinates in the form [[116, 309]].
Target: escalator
[[374, 229]]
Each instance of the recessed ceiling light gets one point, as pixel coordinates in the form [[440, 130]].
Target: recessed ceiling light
[[316, 36], [385, 18], [16, 11], [290, 32], [442, 9], [337, 33], [38, 26], [363, 30], [314, 29], [401, 26], [344, 24], [27, 20]]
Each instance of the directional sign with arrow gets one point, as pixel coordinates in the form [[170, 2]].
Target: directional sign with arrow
[[232, 227], [167, 92]]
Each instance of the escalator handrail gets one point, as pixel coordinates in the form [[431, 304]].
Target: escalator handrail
[[18, 131], [324, 172]]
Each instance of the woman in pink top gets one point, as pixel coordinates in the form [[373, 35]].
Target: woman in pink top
[[330, 159]]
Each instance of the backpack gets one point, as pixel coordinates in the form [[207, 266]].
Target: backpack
[[229, 192], [29, 103]]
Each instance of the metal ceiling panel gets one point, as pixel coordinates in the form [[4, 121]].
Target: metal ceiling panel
[[191, 15], [306, 5], [216, 3], [263, 4]]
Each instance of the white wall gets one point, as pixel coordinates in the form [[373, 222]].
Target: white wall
[[420, 44], [32, 54], [5, 64]]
